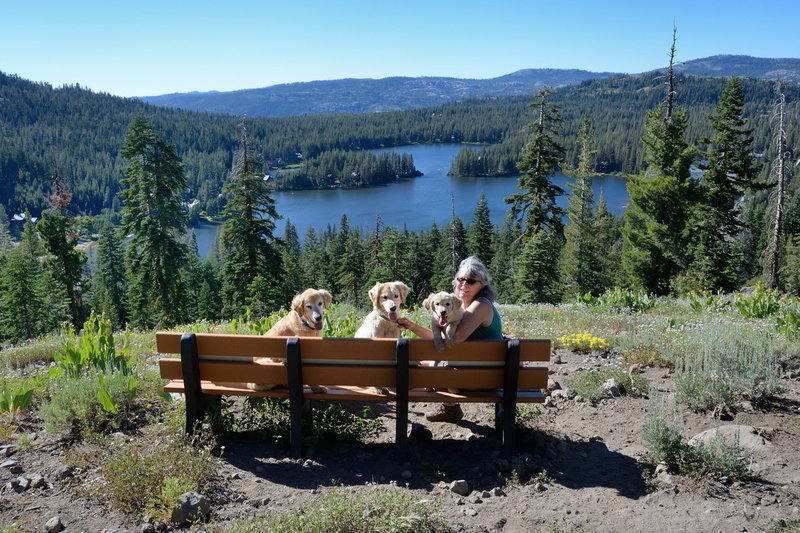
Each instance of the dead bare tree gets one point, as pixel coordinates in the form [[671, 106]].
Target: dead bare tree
[[772, 256]]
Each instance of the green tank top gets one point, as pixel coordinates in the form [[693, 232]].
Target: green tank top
[[493, 330]]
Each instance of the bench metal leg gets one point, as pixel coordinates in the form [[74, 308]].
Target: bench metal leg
[[508, 406], [190, 368], [296, 398], [401, 400]]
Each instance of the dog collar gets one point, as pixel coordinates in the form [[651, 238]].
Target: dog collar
[[306, 324]]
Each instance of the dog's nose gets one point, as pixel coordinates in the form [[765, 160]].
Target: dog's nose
[[393, 308]]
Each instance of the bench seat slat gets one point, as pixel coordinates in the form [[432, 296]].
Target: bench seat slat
[[531, 350], [342, 393], [170, 368], [474, 378]]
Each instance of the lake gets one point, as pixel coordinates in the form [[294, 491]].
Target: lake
[[415, 202]]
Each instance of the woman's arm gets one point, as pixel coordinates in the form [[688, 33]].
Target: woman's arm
[[478, 313], [413, 327]]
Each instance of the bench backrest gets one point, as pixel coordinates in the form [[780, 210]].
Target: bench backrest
[[356, 362]]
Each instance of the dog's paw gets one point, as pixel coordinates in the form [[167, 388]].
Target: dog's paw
[[319, 389], [260, 386], [383, 391]]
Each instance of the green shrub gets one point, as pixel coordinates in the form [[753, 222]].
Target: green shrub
[[94, 350], [330, 422], [620, 301], [78, 403], [589, 383], [369, 510], [666, 444], [788, 323], [761, 303], [726, 370], [143, 475]]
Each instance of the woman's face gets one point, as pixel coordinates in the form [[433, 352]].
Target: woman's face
[[467, 287]]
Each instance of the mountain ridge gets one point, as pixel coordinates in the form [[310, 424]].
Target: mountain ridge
[[396, 93]]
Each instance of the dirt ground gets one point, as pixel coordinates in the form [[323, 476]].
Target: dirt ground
[[581, 470]]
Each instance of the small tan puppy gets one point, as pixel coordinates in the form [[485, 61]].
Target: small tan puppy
[[381, 322], [446, 313], [304, 320]]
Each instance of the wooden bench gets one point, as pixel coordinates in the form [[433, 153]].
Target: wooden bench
[[502, 372]]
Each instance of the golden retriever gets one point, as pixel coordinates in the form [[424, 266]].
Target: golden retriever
[[381, 322], [446, 313], [303, 320]]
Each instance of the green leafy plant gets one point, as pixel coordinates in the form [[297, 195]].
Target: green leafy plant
[[94, 349], [14, 400], [620, 301], [704, 300], [761, 303], [788, 323]]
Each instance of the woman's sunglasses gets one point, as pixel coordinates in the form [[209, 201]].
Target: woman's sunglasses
[[467, 281]]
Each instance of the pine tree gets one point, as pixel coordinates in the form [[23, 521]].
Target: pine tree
[[249, 246], [580, 259], [537, 278], [730, 171], [480, 234], [155, 218], [655, 241], [535, 206], [773, 253], [109, 285], [503, 265], [293, 281], [60, 236]]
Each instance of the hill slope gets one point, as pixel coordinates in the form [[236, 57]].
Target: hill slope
[[368, 95]]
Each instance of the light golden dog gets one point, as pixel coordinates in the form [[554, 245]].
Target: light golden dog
[[381, 322], [303, 320], [446, 313]]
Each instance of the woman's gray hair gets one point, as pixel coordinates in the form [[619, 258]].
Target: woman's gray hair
[[471, 267]]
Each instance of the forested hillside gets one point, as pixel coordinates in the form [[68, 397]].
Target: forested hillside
[[77, 134], [368, 95]]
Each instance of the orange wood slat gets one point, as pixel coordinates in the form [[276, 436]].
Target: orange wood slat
[[474, 378], [224, 344], [228, 371], [353, 349], [482, 350]]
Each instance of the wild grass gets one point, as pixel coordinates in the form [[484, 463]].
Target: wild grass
[[371, 509]]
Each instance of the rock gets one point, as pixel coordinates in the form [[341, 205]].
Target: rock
[[460, 487], [63, 472], [553, 385], [12, 466], [37, 481], [147, 527], [54, 525], [613, 388], [190, 506], [540, 487], [497, 492], [7, 450], [420, 433], [747, 437]]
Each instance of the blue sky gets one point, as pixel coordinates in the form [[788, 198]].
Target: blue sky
[[151, 47]]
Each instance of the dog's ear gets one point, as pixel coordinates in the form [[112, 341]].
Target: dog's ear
[[403, 289], [428, 302], [456, 301], [297, 303], [326, 298], [373, 293]]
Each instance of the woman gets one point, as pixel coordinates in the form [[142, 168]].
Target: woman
[[473, 285]]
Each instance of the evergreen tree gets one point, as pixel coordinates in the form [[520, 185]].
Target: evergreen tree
[[155, 218], [293, 281], [535, 206], [5, 232], [109, 284], [60, 236], [608, 247], [580, 260], [480, 235], [655, 240], [730, 170], [503, 265], [248, 242]]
